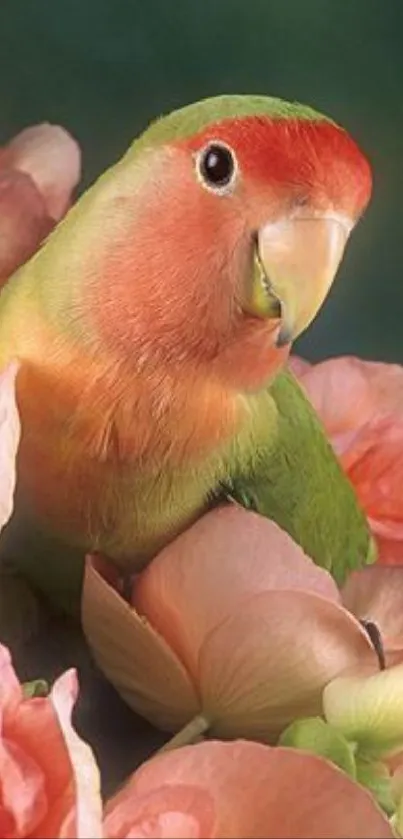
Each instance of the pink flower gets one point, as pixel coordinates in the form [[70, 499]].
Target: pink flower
[[49, 783], [242, 789], [361, 406], [231, 624], [39, 170], [368, 707]]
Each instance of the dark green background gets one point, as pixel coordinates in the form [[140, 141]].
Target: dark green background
[[104, 68]]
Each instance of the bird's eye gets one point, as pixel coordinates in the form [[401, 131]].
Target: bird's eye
[[217, 167]]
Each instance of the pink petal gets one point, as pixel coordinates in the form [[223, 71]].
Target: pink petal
[[135, 658], [263, 792], [390, 551], [204, 575], [386, 382], [299, 366], [9, 440], [10, 690], [83, 798], [374, 464], [33, 725], [42, 729], [23, 801], [340, 392], [50, 155], [24, 221], [177, 810], [49, 781], [376, 593], [348, 392], [268, 664]]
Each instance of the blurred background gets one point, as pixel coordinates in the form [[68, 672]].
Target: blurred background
[[105, 68]]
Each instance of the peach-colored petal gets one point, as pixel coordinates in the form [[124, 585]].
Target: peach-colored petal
[[177, 810], [23, 801], [341, 393], [299, 366], [268, 664], [261, 659], [49, 781], [10, 689], [41, 728], [266, 792], [34, 726], [24, 221], [9, 440], [386, 382], [374, 464], [203, 576], [348, 392], [82, 807], [52, 158], [136, 659], [23, 798], [390, 551], [376, 593]]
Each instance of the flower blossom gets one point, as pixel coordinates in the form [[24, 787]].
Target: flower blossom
[[231, 624], [49, 781], [240, 789]]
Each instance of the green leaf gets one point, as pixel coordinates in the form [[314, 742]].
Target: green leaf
[[38, 687], [368, 709], [315, 736], [376, 778]]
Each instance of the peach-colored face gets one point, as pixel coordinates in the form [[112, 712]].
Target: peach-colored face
[[181, 272]]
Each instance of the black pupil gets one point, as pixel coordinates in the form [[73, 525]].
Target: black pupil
[[218, 165]]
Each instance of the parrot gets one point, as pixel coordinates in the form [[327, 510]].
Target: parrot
[[152, 331]]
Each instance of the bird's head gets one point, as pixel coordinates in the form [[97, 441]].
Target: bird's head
[[223, 229]]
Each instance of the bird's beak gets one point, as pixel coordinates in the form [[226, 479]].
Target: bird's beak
[[295, 262]]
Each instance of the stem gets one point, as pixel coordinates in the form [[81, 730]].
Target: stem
[[38, 687], [190, 733]]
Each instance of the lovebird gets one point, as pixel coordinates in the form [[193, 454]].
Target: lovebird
[[153, 328]]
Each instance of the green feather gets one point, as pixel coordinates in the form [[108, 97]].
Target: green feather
[[195, 117], [294, 477]]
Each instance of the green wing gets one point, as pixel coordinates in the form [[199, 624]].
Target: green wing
[[286, 470]]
